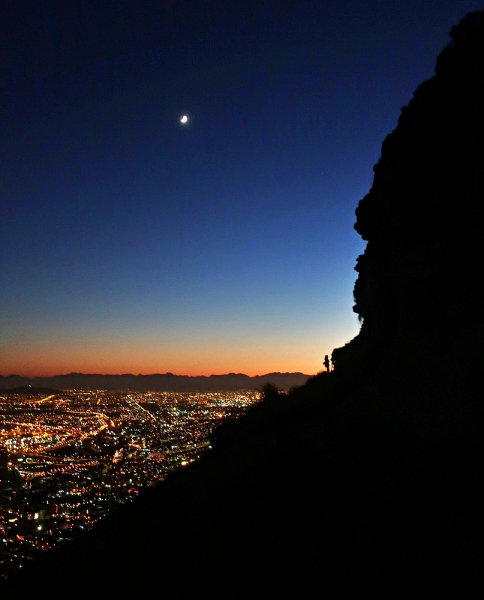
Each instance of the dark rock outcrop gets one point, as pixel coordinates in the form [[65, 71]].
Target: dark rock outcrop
[[417, 291]]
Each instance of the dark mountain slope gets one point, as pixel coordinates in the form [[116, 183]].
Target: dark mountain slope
[[318, 499], [369, 479]]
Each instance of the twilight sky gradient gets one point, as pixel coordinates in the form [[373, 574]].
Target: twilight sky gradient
[[132, 244]]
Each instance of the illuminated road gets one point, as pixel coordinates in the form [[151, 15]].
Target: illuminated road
[[46, 399], [133, 402], [91, 433]]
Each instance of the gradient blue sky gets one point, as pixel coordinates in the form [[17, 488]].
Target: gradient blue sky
[[132, 244]]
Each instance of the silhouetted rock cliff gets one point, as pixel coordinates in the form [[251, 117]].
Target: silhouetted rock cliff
[[365, 480], [417, 291]]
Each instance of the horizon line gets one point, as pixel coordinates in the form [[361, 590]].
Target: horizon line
[[155, 374]]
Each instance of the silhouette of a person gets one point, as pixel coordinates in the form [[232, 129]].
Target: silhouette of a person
[[326, 362]]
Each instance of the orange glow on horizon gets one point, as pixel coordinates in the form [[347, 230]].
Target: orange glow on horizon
[[54, 365], [195, 356], [32, 374]]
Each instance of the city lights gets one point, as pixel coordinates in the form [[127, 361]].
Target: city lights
[[67, 459]]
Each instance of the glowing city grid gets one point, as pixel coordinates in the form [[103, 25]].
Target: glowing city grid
[[66, 459]]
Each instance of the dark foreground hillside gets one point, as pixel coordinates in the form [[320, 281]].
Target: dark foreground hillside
[[369, 479]]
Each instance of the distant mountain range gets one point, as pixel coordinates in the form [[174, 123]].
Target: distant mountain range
[[167, 382]]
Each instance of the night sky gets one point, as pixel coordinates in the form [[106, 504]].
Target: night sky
[[132, 243]]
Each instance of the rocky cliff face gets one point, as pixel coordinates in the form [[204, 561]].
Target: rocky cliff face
[[418, 279]]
